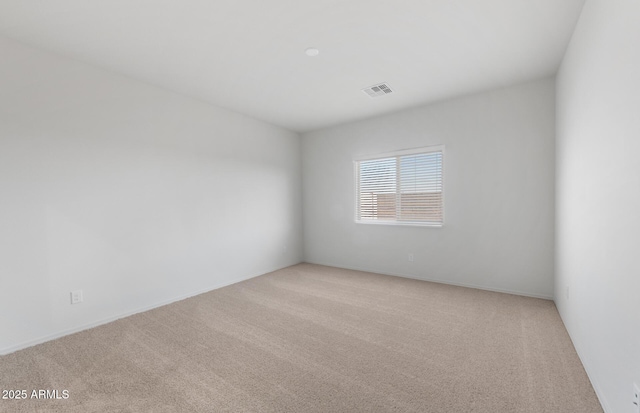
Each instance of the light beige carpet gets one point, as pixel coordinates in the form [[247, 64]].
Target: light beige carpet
[[315, 339]]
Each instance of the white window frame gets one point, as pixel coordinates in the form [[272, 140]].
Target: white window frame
[[397, 154]]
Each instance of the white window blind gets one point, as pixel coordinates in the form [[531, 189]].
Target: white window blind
[[401, 188]]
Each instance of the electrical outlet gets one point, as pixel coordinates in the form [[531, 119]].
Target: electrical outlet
[[76, 297], [636, 398], [410, 257]]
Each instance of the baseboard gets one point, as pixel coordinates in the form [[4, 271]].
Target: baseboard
[[49, 337], [59, 334], [594, 383], [435, 280]]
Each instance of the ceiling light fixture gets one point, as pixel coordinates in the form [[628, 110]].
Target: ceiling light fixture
[[312, 52]]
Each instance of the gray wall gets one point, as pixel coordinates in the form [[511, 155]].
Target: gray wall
[[499, 192], [598, 197], [133, 194]]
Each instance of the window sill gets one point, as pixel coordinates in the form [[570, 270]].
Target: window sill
[[401, 223]]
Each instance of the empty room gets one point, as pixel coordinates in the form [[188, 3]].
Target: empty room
[[320, 206]]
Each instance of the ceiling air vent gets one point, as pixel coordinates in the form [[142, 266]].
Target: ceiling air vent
[[377, 90]]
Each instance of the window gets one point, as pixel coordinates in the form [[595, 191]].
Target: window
[[402, 188]]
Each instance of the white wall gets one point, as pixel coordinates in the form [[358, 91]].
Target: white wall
[[136, 195], [499, 192], [598, 197]]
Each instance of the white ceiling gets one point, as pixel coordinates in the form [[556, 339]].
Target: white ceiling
[[248, 55]]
